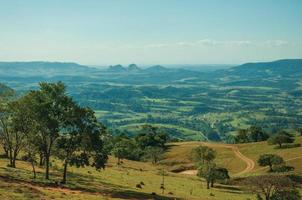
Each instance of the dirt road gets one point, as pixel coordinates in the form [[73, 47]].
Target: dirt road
[[250, 164]]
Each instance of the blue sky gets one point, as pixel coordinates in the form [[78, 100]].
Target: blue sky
[[101, 32]]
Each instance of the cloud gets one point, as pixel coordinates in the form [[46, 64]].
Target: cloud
[[275, 43], [214, 43]]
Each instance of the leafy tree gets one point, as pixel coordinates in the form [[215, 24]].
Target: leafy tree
[[242, 136], [15, 125], [81, 136], [268, 186], [49, 106], [121, 149], [203, 154], [281, 138], [270, 160], [151, 136], [154, 154], [207, 171], [219, 174], [256, 134]]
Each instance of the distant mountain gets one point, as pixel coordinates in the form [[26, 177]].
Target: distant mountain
[[25, 69], [133, 68], [156, 68], [117, 68], [287, 67]]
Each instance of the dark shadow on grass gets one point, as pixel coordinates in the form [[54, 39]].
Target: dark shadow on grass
[[129, 194], [288, 146], [227, 187]]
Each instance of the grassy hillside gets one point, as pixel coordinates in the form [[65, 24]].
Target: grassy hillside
[[119, 182], [112, 183], [178, 156]]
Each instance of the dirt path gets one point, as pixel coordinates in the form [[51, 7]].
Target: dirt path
[[250, 164]]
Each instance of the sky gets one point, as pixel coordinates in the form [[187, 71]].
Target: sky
[[103, 32]]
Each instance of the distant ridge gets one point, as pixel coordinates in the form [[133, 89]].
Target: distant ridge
[[285, 67], [38, 68]]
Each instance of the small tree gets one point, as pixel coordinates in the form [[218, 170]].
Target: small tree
[[203, 154], [281, 138], [154, 154], [242, 136], [270, 160], [256, 134], [120, 149], [220, 173], [268, 186], [207, 171]]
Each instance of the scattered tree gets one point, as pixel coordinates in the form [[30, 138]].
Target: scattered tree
[[281, 138], [268, 186], [203, 154], [270, 160], [154, 154]]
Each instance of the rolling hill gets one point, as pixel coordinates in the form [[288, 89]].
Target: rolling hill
[[120, 181], [188, 104]]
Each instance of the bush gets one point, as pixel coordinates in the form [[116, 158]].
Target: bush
[[282, 168]]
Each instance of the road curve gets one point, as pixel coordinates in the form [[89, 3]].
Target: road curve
[[250, 164]]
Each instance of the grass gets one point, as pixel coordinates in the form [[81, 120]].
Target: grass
[[253, 150], [119, 182]]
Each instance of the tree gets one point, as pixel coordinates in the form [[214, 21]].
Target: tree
[[220, 173], [82, 134], [203, 154], [151, 136], [256, 134], [207, 171], [281, 138], [49, 105], [242, 136], [15, 125], [154, 154], [270, 160], [268, 186], [120, 149]]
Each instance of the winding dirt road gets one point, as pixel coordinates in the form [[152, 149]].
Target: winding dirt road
[[250, 164]]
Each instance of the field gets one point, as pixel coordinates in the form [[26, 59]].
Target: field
[[119, 182], [188, 104]]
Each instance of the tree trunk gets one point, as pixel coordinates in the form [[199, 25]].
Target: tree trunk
[[270, 168], [208, 184], [47, 167], [280, 145], [212, 183], [34, 170], [65, 173], [42, 160], [5, 151]]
